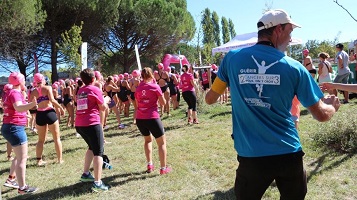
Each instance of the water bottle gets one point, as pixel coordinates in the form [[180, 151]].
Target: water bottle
[[107, 165]]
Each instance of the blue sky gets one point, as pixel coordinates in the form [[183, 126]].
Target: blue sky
[[320, 19]]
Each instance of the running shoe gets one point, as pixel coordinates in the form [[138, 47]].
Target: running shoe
[[27, 190], [105, 127], [165, 170], [11, 183], [78, 135], [150, 168], [121, 126], [101, 187], [195, 121], [87, 178]]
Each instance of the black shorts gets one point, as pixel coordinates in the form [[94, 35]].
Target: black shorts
[[153, 126], [164, 88], [173, 90], [191, 100], [59, 100], [33, 111], [205, 86], [132, 95], [93, 135], [254, 175], [46, 117], [123, 96]]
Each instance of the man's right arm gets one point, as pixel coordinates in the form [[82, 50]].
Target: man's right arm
[[325, 108]]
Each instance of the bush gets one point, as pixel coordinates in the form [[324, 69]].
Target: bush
[[340, 134]]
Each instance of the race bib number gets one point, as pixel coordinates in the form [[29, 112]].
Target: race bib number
[[82, 102]]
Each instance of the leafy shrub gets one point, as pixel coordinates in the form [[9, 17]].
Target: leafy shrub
[[340, 134]]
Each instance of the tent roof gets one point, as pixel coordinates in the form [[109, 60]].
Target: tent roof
[[244, 40]]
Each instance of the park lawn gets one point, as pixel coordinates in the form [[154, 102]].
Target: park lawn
[[202, 157]]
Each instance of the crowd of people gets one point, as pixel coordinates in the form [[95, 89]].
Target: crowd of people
[[265, 85], [84, 104]]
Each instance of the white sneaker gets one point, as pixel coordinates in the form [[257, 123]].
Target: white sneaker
[[78, 135], [105, 127]]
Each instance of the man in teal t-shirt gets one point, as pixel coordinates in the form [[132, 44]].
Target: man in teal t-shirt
[[263, 82]]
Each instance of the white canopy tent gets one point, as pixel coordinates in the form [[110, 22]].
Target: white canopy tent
[[244, 40]]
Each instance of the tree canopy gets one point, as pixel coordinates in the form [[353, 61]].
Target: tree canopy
[[152, 25]]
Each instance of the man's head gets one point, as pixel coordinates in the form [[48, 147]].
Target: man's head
[[276, 27], [339, 47]]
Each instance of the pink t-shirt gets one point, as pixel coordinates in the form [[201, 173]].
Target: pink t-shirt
[[11, 116], [186, 84], [204, 78], [147, 95], [88, 98]]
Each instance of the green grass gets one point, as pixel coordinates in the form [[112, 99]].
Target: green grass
[[202, 157]]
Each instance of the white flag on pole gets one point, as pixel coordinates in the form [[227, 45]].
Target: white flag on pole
[[137, 57], [84, 55]]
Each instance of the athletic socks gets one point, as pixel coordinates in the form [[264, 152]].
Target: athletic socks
[[98, 183]]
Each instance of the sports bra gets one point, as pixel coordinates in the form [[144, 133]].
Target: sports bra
[[41, 98], [160, 75]]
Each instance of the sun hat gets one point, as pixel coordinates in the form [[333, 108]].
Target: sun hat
[[275, 17]]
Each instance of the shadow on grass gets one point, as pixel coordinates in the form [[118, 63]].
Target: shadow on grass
[[219, 195], [320, 168], [129, 177], [135, 135], [51, 156], [121, 133], [220, 114], [78, 189], [174, 127]]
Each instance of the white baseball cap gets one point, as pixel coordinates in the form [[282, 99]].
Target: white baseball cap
[[275, 17]]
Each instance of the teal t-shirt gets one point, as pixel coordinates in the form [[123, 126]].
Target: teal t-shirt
[[263, 82]]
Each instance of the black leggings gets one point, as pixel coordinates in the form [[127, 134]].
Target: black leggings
[[93, 135], [191, 100], [46, 117], [254, 175]]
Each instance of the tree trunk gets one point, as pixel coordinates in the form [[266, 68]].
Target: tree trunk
[[22, 67], [54, 50]]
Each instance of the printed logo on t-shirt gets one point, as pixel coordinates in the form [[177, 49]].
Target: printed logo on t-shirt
[[259, 79], [82, 101]]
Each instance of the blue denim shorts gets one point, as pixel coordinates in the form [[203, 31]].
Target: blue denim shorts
[[14, 134]]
